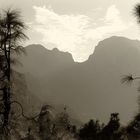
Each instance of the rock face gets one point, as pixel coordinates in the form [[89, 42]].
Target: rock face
[[93, 88]]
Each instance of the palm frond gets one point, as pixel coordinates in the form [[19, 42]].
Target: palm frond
[[12, 20], [128, 79], [18, 35], [137, 11]]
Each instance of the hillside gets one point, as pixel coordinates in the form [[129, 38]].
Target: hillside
[[92, 89]]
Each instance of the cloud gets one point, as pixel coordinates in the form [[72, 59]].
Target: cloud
[[77, 34]]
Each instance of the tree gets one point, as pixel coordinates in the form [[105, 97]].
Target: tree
[[133, 129], [90, 130], [111, 130], [11, 36], [45, 122], [62, 128]]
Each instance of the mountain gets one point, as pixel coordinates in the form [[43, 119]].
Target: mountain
[[92, 89]]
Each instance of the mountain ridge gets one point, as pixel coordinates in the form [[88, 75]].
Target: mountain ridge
[[92, 88]]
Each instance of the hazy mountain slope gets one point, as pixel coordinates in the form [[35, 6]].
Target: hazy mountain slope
[[21, 93], [92, 88], [40, 61]]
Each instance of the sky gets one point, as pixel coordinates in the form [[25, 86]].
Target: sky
[[76, 26]]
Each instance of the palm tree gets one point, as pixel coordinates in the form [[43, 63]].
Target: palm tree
[[11, 36]]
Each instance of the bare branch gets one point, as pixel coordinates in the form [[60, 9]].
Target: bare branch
[[22, 111]]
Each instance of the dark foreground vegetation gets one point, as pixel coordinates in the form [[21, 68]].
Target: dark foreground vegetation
[[47, 124]]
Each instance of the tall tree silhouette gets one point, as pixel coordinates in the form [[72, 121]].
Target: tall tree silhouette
[[11, 36], [134, 127]]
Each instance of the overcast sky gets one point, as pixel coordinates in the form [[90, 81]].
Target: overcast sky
[[76, 26]]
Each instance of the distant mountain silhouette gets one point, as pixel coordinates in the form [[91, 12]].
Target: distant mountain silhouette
[[93, 88]]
